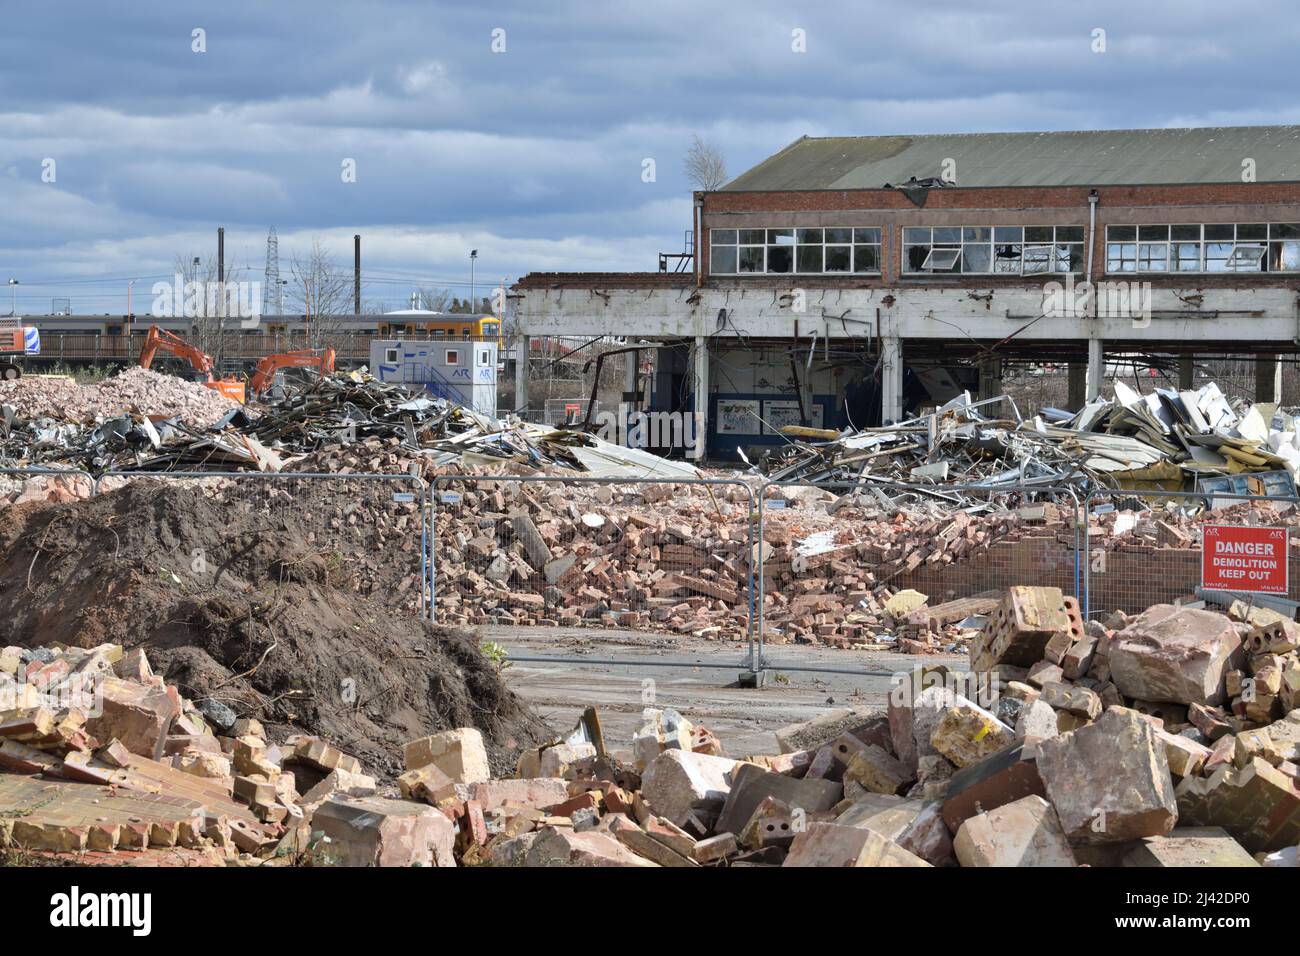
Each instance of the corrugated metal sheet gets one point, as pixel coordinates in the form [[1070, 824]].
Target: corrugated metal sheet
[[1086, 158]]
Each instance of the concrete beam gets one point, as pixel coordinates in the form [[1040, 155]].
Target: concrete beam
[[1186, 372], [1268, 312], [891, 380]]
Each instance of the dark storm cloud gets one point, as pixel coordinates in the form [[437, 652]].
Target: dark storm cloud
[[534, 155]]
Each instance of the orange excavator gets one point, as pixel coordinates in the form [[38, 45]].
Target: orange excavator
[[199, 361], [320, 359]]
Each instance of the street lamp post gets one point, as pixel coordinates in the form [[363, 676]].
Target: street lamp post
[[13, 301], [473, 302]]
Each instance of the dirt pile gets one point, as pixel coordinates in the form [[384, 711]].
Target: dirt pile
[[252, 605], [136, 389]]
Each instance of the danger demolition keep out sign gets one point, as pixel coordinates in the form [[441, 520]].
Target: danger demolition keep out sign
[[1234, 558]]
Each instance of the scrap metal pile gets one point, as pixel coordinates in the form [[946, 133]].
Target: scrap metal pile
[[160, 423], [1167, 440]]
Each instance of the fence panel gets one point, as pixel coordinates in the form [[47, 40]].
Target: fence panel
[[366, 533], [649, 554], [1148, 548], [825, 549]]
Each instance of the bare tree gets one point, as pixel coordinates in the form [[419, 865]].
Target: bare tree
[[433, 298], [321, 291], [705, 167], [212, 312]]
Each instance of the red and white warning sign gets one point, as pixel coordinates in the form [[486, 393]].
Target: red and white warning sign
[[1234, 558]]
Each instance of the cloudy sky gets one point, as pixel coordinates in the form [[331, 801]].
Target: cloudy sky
[[534, 154]]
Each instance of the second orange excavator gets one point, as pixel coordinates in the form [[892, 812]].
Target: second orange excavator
[[199, 361], [320, 359]]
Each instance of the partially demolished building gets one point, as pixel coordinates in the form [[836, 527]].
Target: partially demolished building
[[850, 281]]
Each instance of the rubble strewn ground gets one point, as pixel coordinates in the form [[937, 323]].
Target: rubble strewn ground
[[219, 671], [273, 621], [1168, 739]]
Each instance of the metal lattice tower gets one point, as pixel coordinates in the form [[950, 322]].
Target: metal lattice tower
[[272, 291]]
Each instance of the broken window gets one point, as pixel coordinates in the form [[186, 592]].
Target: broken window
[[1204, 247], [792, 249], [1009, 250]]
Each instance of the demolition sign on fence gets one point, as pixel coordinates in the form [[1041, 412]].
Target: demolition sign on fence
[[1234, 558]]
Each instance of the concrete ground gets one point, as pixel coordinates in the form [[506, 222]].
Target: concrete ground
[[567, 679]]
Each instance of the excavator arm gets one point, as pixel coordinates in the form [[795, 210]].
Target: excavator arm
[[199, 360], [320, 359], [170, 342]]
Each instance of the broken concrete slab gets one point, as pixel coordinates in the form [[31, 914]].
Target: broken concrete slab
[[966, 734], [561, 846], [1003, 778], [376, 831], [1190, 846], [460, 754], [1109, 782], [678, 781], [1174, 654], [1025, 832], [829, 844], [1258, 804], [751, 784]]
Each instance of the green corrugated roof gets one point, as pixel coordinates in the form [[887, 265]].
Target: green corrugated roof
[[1084, 158]]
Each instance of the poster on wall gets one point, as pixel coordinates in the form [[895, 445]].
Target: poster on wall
[[738, 417], [778, 413]]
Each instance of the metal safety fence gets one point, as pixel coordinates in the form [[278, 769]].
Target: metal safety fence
[[826, 547], [1156, 547], [673, 556]]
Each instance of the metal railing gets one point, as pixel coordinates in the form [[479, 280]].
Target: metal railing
[[1147, 547], [941, 551]]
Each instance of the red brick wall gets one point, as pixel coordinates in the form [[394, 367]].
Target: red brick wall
[[1030, 206]]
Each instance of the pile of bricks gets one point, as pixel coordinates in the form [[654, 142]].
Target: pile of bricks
[[678, 558], [135, 389], [663, 557]]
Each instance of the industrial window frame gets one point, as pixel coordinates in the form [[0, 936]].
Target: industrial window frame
[[999, 250], [390, 356], [856, 250], [1128, 247], [451, 357]]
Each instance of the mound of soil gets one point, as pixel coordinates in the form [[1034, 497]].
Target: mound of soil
[[252, 609]]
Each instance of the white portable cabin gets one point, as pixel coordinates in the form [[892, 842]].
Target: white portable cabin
[[458, 370]]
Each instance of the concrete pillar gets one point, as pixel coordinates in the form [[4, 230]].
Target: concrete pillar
[[521, 374], [891, 380], [1096, 368], [701, 397], [990, 369], [1076, 386], [631, 395], [1268, 379]]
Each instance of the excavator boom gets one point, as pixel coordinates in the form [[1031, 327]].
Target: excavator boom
[[198, 359], [320, 359]]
